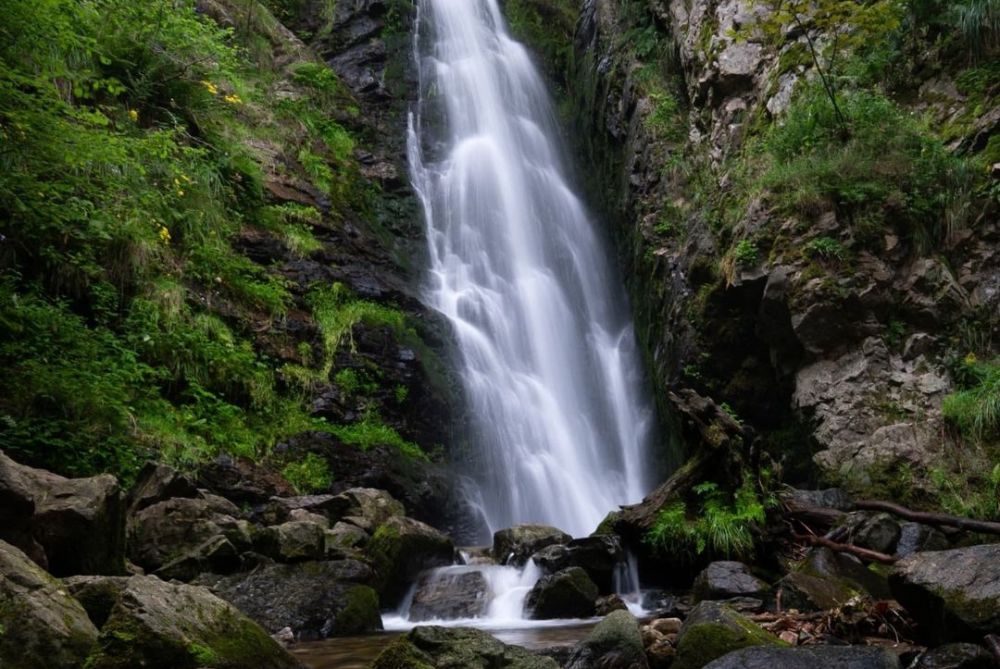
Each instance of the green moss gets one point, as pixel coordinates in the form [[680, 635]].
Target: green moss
[[707, 641], [401, 654], [360, 614]]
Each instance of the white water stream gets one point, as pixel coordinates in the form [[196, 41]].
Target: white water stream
[[549, 364]]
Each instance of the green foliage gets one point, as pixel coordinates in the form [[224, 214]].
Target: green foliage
[[745, 253], [546, 25], [723, 526], [976, 409], [309, 475], [337, 313], [826, 248], [370, 431], [972, 495], [979, 22]]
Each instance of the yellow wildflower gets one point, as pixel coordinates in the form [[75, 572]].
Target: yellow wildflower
[[134, 115], [971, 359], [164, 235], [210, 87], [233, 99]]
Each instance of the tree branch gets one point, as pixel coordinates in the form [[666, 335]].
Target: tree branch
[[863, 553], [984, 526]]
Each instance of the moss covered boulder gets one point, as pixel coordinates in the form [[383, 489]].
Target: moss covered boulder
[[457, 648], [614, 644], [315, 599], [713, 630], [400, 549], [954, 595], [41, 626], [566, 594], [159, 625]]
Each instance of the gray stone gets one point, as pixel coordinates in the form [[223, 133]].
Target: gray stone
[[566, 594], [614, 644], [917, 538], [809, 657], [515, 545], [157, 483], [725, 579], [450, 594], [366, 508], [432, 647], [954, 594], [402, 548], [955, 656], [598, 555], [41, 626]]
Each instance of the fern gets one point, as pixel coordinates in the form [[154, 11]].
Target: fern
[[979, 21]]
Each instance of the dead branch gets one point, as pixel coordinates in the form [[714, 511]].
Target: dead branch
[[984, 526], [863, 553]]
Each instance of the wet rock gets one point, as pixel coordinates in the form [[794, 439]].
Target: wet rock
[[450, 595], [955, 656], [158, 483], [809, 657], [713, 630], [917, 538], [954, 595], [70, 526], [809, 592], [159, 625], [566, 594], [402, 548], [725, 579], [453, 647], [846, 569], [614, 644], [163, 532], [878, 531], [598, 555], [515, 545], [608, 603], [315, 599], [41, 626]]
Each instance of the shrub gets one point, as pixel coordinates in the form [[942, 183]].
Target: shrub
[[745, 253], [976, 409], [309, 475], [826, 248]]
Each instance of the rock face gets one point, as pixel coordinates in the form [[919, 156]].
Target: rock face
[[462, 594], [812, 657], [454, 648], [69, 526], [722, 580], [41, 626], [161, 625], [315, 599], [614, 644], [566, 594], [712, 630], [954, 595], [402, 548], [598, 555], [515, 545]]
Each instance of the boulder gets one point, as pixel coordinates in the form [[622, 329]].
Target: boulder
[[242, 480], [168, 530], [449, 594], [97, 594], [515, 545], [954, 595], [41, 626], [344, 536], [158, 625], [809, 592], [846, 569], [315, 599], [609, 603], [280, 509], [216, 554], [878, 531], [614, 644], [713, 630], [918, 538], [366, 508], [598, 555], [293, 541], [454, 647], [566, 594], [158, 483], [71, 526], [807, 657], [955, 656], [402, 548], [725, 579]]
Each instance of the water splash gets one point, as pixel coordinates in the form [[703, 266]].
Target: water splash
[[549, 362]]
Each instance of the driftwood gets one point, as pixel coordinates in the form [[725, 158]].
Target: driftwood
[[863, 553], [984, 526]]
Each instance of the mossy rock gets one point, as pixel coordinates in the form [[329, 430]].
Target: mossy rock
[[615, 642], [457, 647], [565, 594], [713, 630], [158, 625], [400, 549]]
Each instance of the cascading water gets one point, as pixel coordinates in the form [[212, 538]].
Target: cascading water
[[549, 362]]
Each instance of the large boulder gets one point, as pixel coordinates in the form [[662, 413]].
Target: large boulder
[[954, 595], [158, 625], [242, 480], [598, 555], [457, 648], [400, 549], [515, 545], [807, 657], [956, 656], [366, 508], [449, 594], [712, 630], [315, 600], [70, 526], [294, 541], [157, 483], [41, 626], [614, 644], [566, 594], [168, 530], [726, 579]]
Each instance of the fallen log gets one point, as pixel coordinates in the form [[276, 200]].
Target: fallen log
[[857, 551], [927, 518]]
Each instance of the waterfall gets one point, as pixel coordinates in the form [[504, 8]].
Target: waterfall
[[549, 362]]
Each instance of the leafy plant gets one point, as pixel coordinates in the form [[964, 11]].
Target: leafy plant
[[826, 248], [309, 475], [976, 409], [745, 253]]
